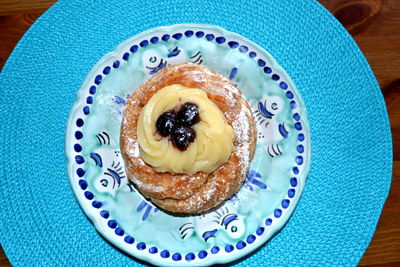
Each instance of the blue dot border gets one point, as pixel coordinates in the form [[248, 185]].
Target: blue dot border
[[113, 224]]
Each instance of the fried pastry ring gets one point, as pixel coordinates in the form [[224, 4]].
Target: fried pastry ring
[[181, 193]]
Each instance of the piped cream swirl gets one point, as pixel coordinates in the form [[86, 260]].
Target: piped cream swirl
[[212, 146]]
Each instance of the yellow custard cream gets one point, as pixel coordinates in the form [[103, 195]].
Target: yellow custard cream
[[212, 146]]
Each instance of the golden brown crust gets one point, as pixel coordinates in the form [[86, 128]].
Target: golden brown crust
[[200, 191]]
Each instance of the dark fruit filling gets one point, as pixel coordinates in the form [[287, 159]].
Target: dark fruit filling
[[177, 125], [182, 136], [166, 123], [188, 115]]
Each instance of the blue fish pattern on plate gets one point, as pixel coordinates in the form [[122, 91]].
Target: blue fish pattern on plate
[[272, 187]]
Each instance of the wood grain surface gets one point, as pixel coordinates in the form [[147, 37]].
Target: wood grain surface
[[374, 25]]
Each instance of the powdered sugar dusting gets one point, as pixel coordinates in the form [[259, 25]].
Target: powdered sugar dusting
[[133, 150], [199, 192]]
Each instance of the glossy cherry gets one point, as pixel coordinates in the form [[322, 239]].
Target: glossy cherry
[[182, 136], [188, 114], [166, 123]]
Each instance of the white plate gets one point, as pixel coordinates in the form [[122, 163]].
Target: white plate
[[277, 174]]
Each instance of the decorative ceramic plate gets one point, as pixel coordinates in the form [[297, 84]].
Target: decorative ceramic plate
[[277, 174]]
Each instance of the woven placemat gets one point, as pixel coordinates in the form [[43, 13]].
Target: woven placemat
[[41, 222]]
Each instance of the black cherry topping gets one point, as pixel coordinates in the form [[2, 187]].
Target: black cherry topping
[[188, 115], [178, 124], [182, 136], [166, 123]]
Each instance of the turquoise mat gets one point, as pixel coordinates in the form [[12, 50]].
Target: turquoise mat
[[42, 223]]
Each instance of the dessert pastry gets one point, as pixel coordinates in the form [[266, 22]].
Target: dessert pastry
[[187, 138]]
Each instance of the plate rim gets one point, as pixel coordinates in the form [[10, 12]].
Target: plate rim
[[95, 218]]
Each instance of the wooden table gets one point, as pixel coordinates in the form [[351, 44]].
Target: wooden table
[[375, 26]]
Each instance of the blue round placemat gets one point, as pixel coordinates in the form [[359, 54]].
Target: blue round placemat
[[42, 223]]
